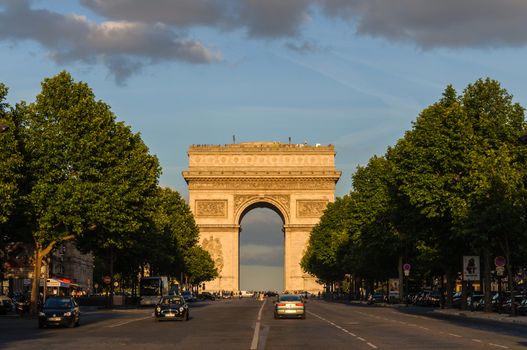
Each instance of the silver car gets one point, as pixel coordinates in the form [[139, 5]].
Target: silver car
[[290, 305]]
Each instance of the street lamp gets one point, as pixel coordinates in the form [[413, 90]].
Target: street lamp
[[3, 128]]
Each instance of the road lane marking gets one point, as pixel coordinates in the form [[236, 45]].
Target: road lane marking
[[256, 335], [128, 321], [343, 329], [455, 335], [477, 340], [499, 346]]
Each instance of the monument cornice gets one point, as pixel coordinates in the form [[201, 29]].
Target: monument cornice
[[267, 175], [261, 147]]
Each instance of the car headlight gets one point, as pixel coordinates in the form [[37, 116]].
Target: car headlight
[[181, 309], [67, 314], [41, 314]]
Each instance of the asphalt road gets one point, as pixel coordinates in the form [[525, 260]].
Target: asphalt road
[[249, 324]]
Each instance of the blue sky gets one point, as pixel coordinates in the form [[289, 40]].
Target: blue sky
[[353, 73]]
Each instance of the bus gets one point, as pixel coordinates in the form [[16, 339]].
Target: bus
[[151, 289]]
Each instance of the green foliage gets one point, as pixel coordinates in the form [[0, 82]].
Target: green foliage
[[87, 170], [199, 266], [455, 184]]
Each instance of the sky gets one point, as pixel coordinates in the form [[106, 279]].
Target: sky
[[352, 73]]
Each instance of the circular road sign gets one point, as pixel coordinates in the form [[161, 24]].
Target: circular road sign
[[407, 267], [500, 261], [107, 279]]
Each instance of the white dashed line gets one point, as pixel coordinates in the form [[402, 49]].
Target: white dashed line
[[498, 346], [455, 335], [477, 340], [343, 329]]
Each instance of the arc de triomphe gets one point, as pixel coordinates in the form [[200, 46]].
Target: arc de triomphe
[[297, 181]]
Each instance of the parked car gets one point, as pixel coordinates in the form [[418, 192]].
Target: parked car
[[474, 301], [22, 303], [6, 304], [207, 296], [59, 311], [289, 305], [522, 308], [172, 308], [376, 297], [518, 300], [189, 296]]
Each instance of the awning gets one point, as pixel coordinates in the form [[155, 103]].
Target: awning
[[52, 282]]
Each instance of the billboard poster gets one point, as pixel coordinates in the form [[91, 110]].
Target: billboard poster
[[471, 269]]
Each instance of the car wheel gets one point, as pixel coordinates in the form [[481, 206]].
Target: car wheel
[[275, 316], [187, 316], [303, 317]]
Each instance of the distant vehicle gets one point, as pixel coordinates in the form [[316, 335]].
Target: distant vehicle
[[189, 296], [59, 311], [151, 289], [226, 295], [290, 305], [6, 304], [207, 296], [246, 294], [171, 308], [376, 298]]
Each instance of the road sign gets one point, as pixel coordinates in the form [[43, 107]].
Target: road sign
[[471, 268], [500, 261], [96, 285], [107, 279], [500, 270], [407, 267]]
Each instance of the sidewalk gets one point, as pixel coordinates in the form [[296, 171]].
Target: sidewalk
[[505, 318], [483, 316]]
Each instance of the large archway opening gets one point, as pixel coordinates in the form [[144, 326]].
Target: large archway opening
[[261, 247]]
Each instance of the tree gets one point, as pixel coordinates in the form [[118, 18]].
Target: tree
[[443, 168], [199, 266], [11, 166], [325, 241], [86, 173]]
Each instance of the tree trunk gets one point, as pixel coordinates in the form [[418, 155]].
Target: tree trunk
[[487, 281], [449, 289], [402, 297], [35, 283]]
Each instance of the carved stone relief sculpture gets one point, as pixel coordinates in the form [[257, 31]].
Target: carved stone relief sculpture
[[211, 208], [310, 208]]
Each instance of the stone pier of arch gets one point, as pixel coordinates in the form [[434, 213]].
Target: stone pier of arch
[[225, 182]]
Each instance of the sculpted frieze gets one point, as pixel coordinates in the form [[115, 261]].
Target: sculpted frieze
[[272, 184], [211, 208], [310, 208]]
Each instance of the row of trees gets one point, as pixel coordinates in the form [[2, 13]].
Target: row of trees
[[454, 185], [70, 171]]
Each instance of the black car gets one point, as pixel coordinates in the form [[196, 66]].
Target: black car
[[59, 311], [207, 296], [170, 308]]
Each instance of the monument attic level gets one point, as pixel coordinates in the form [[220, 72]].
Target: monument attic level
[[225, 182]]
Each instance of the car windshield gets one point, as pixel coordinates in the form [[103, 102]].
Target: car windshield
[[289, 298], [58, 303], [173, 300]]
